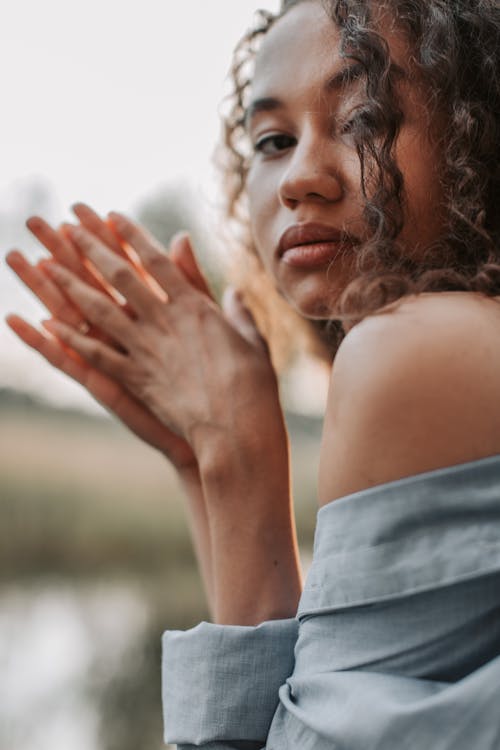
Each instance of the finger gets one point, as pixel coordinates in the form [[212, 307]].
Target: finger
[[43, 266], [102, 357], [92, 277], [241, 318], [109, 393], [49, 348], [61, 248], [182, 254], [106, 391], [152, 256], [117, 272], [44, 288], [98, 227], [104, 231], [38, 279], [55, 242], [95, 306]]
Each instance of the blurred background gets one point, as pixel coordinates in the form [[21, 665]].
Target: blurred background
[[114, 103]]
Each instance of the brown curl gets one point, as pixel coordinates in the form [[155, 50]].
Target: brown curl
[[456, 51]]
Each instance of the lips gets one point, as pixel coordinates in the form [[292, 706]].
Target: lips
[[311, 244]]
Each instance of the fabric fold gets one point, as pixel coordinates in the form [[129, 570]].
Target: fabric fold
[[407, 536], [221, 682], [396, 643]]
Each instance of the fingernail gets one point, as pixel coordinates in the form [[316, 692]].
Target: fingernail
[[75, 207], [14, 256], [33, 222]]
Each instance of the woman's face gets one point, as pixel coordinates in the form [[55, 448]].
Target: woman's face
[[304, 183]]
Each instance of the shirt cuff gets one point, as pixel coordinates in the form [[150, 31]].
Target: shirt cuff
[[221, 682]]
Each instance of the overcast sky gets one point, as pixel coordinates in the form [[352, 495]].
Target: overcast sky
[[103, 101]]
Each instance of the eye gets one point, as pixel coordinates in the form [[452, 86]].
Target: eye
[[361, 120], [272, 144]]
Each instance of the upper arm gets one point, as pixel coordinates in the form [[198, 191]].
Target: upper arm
[[411, 391]]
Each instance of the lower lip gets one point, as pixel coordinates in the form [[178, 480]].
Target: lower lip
[[311, 256]]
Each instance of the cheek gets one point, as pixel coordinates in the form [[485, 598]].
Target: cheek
[[262, 205]]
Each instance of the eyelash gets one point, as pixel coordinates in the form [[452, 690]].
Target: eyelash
[[260, 145], [360, 117]]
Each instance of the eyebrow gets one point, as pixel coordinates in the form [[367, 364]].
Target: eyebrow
[[339, 81], [345, 77]]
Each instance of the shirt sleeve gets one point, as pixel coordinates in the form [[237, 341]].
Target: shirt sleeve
[[220, 683]]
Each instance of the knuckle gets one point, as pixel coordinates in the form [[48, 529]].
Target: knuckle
[[120, 276], [66, 312], [101, 312], [205, 314], [108, 315], [156, 262], [135, 378], [96, 355], [100, 307], [64, 281]]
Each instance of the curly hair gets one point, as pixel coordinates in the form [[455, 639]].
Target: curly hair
[[456, 50]]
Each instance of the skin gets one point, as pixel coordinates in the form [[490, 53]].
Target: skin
[[310, 171], [166, 358], [176, 354], [109, 392]]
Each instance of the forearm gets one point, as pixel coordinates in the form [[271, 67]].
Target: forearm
[[199, 528], [255, 561]]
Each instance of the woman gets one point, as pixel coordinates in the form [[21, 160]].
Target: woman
[[364, 145]]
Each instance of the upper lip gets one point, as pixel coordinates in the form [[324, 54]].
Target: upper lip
[[310, 233]]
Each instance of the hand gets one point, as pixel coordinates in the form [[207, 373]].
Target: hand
[[179, 355], [169, 365], [107, 391]]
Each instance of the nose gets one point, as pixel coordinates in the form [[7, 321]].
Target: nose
[[312, 174]]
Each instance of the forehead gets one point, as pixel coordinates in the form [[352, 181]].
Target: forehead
[[305, 39], [303, 48]]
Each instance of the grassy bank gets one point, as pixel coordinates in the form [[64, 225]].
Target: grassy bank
[[81, 496]]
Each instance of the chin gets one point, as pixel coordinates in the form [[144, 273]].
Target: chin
[[312, 305], [314, 294]]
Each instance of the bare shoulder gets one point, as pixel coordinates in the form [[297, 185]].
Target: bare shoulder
[[414, 388]]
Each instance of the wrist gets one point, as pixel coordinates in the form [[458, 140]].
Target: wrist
[[247, 453]]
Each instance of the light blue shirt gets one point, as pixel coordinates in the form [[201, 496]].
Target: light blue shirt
[[396, 642]]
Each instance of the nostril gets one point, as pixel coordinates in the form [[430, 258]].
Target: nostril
[[315, 185]]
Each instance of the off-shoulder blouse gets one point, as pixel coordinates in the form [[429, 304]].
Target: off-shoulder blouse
[[396, 641]]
